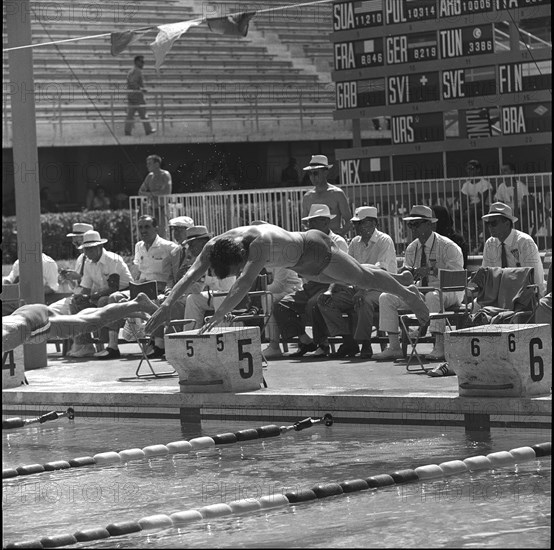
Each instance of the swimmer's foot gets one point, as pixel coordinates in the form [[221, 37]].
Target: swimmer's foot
[[405, 278], [417, 305], [145, 303]]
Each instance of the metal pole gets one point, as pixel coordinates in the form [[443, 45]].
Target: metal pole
[[26, 167]]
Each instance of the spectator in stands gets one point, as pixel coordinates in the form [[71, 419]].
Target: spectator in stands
[[428, 253], [104, 273], [156, 184], [295, 311], [290, 176], [477, 191], [200, 299], [444, 227], [370, 246], [100, 200], [70, 279], [49, 274], [150, 259], [508, 247], [180, 259], [510, 186], [213, 181], [135, 98], [49, 278], [325, 193]]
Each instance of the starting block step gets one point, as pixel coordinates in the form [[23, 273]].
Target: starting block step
[[227, 359], [501, 360]]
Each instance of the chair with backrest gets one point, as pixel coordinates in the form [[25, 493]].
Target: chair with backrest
[[149, 288], [449, 281]]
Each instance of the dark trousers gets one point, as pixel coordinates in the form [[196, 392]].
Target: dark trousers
[[295, 311]]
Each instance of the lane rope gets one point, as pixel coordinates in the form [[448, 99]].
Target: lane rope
[[174, 447], [500, 459]]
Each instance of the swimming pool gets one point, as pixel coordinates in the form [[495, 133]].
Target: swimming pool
[[508, 507]]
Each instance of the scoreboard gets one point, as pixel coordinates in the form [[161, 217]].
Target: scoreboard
[[445, 75]]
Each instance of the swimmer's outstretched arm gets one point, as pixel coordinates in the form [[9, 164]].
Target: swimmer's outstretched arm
[[196, 271], [241, 286]]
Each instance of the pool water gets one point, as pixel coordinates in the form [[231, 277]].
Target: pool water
[[504, 508]]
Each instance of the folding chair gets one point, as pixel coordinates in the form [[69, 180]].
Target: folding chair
[[149, 288], [449, 281]]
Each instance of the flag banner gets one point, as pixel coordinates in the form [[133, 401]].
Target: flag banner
[[121, 40], [166, 38], [232, 25]]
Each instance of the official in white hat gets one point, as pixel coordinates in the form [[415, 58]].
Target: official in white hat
[[178, 228], [79, 229], [319, 211], [420, 212], [181, 221], [364, 212], [197, 232], [499, 209], [92, 238]]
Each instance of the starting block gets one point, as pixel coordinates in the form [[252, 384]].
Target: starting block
[[501, 360], [226, 359], [13, 368]]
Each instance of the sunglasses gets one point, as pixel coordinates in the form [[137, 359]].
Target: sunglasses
[[494, 223], [416, 224]]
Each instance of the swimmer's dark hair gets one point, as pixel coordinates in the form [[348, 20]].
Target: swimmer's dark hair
[[225, 253]]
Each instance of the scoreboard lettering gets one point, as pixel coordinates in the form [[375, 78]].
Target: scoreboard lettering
[[404, 11], [417, 128], [360, 93], [451, 8], [460, 83], [526, 119], [407, 48], [524, 77], [357, 15], [466, 41], [413, 88], [511, 4], [359, 54], [354, 171]]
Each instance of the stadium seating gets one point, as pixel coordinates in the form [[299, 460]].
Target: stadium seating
[[206, 77]]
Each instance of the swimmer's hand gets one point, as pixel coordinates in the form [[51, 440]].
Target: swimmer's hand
[[212, 322], [159, 317]]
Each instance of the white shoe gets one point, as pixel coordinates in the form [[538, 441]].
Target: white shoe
[[442, 370], [271, 352], [390, 354], [85, 350]]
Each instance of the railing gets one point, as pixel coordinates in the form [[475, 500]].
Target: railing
[[224, 210]]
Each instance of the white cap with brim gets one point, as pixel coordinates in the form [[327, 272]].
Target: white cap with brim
[[319, 211], [92, 238], [364, 212], [500, 209], [181, 221], [317, 162], [79, 229], [421, 212]]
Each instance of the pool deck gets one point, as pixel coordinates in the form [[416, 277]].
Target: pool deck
[[352, 390]]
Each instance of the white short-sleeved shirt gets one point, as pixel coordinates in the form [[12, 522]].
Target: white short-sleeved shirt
[[379, 251], [150, 262], [505, 194], [521, 251], [95, 274], [474, 190], [49, 273]]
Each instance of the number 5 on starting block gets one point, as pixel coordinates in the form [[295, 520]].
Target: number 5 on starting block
[[228, 359]]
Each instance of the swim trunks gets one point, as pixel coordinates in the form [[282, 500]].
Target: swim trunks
[[316, 253], [38, 322]]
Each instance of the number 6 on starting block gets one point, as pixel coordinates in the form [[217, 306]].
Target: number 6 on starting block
[[227, 359]]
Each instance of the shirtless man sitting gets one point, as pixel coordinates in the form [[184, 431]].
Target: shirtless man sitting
[[36, 323], [245, 251]]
